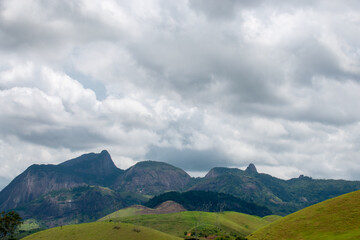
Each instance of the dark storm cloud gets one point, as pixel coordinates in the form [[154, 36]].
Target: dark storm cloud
[[193, 69], [189, 159], [49, 27], [227, 9], [221, 9], [74, 138], [312, 58]]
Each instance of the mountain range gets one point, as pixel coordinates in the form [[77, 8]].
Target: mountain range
[[91, 186]]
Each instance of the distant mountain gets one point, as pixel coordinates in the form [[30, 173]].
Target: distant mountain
[[98, 169], [100, 166], [280, 196], [150, 177], [153, 178], [209, 202], [236, 182], [88, 169], [76, 205]]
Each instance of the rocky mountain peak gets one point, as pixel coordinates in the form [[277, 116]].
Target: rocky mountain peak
[[88, 169], [251, 168], [93, 163], [219, 171], [151, 177]]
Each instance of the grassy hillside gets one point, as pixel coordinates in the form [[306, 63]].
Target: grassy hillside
[[125, 212], [165, 207], [204, 223], [337, 218], [100, 231]]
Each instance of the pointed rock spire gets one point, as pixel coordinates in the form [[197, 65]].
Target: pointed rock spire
[[251, 168]]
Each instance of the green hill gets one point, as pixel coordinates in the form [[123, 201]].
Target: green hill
[[165, 207], [337, 218], [100, 231], [230, 224]]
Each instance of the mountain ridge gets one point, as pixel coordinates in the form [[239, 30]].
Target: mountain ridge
[[153, 178], [36, 180]]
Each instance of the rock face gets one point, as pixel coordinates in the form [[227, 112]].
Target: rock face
[[96, 169], [153, 178], [220, 171], [238, 183], [34, 182], [251, 169], [150, 177], [91, 169], [85, 203], [93, 163], [88, 169]]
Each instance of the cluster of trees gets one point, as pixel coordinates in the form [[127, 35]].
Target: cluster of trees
[[209, 202], [9, 221]]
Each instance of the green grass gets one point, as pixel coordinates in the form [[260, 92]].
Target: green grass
[[125, 212], [100, 231], [29, 224], [177, 223], [337, 218]]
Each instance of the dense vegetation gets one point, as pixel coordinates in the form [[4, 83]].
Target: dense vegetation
[[282, 197], [209, 202], [337, 218], [81, 204], [9, 222]]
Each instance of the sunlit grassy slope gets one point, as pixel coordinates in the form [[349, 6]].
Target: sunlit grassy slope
[[337, 218], [125, 212], [29, 224], [178, 223], [100, 231]]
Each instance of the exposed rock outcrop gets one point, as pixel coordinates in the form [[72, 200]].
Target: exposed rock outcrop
[[88, 169], [251, 169], [150, 177]]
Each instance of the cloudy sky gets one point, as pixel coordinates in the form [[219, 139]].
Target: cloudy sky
[[195, 83]]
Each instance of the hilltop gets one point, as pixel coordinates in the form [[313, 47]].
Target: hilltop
[[203, 223], [337, 218], [37, 180], [101, 230], [151, 177], [163, 208]]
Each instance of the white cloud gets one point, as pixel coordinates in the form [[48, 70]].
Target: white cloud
[[273, 83]]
